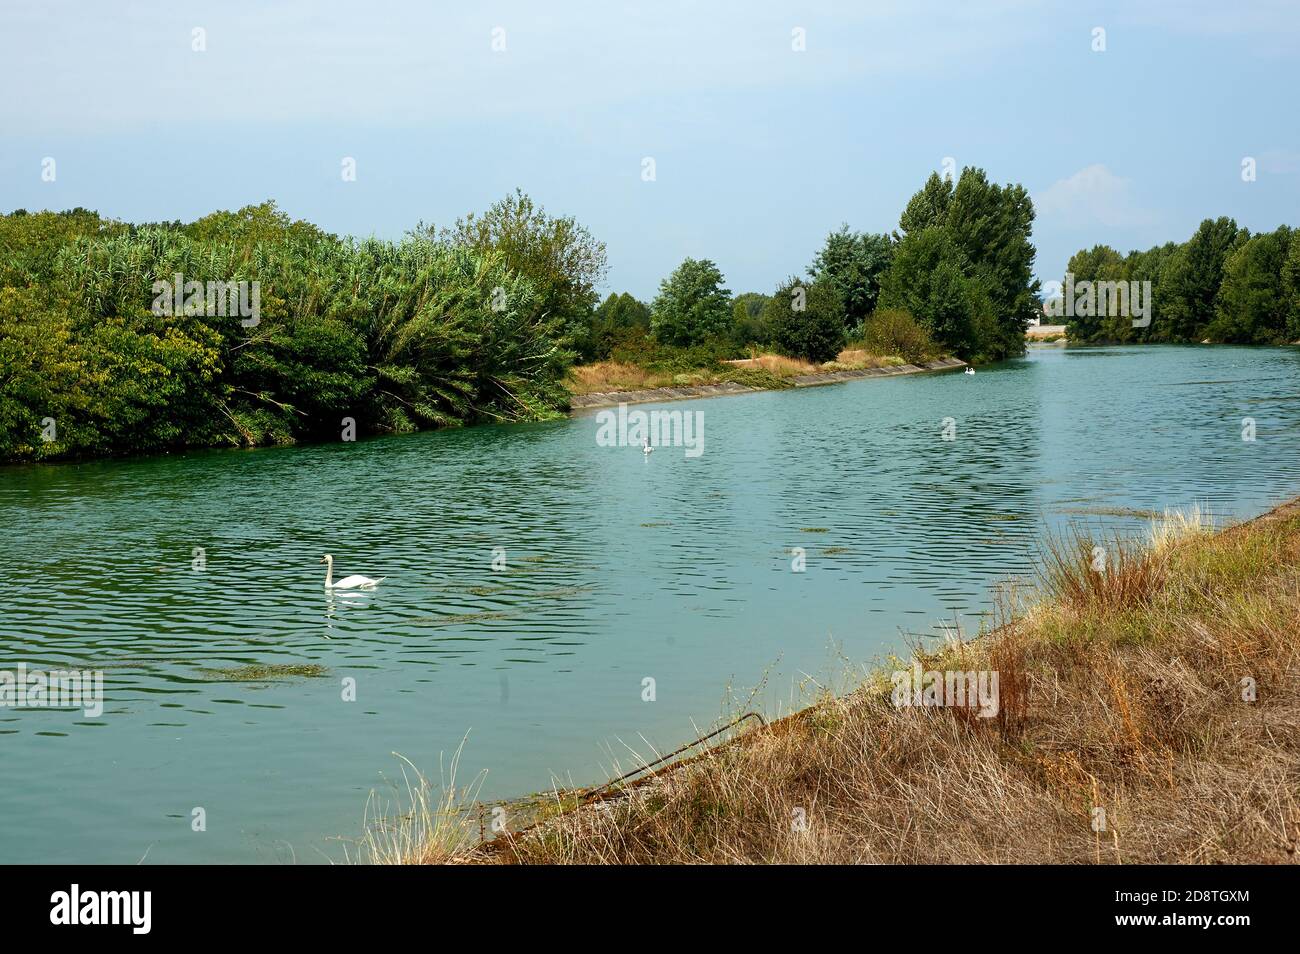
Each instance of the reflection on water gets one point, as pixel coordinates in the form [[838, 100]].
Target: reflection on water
[[611, 567]]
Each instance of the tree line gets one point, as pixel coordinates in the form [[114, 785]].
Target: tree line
[[1222, 285], [118, 338], [954, 277], [465, 324]]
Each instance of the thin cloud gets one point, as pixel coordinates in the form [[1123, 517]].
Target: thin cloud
[[1092, 196]]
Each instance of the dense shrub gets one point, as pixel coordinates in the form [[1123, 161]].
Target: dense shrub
[[806, 320], [893, 331], [395, 336], [621, 320]]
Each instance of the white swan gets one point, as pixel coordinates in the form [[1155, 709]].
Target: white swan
[[645, 446], [348, 582], [970, 370]]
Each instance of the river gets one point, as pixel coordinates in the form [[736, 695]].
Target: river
[[612, 568]]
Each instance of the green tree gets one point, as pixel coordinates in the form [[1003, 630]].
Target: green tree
[[964, 264], [1191, 278], [561, 259], [992, 224], [249, 227], [1101, 263], [1291, 287], [929, 279], [618, 322], [1149, 266], [625, 311], [153, 386], [420, 333], [748, 326], [854, 263], [806, 319], [462, 342], [1252, 306], [692, 305], [30, 242], [42, 376], [929, 207]]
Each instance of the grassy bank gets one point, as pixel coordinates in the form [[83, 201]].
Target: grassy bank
[[1120, 692], [1046, 334], [762, 370]]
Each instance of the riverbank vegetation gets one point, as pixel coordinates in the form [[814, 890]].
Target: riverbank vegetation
[[954, 278], [344, 337], [1147, 713], [249, 328], [1223, 285], [688, 368]]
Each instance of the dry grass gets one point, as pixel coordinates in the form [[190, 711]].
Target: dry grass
[[1175, 526], [777, 364], [609, 376], [1086, 574], [604, 376], [1045, 332], [1123, 695], [855, 359], [851, 359], [426, 824]]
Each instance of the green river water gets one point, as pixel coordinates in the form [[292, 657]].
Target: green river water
[[618, 567]]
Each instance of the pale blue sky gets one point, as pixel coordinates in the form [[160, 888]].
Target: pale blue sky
[[759, 150]]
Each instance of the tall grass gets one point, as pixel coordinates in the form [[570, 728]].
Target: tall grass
[[1080, 571], [1148, 714], [426, 824], [1175, 526]]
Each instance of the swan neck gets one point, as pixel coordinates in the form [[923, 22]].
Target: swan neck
[[329, 572]]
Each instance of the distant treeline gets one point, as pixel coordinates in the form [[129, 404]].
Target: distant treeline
[[248, 328], [1221, 285], [955, 277]]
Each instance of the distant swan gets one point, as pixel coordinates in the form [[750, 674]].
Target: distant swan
[[348, 582], [645, 446], [970, 370]]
